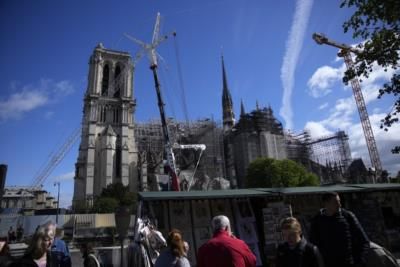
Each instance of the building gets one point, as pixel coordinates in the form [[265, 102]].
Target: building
[[107, 152], [256, 134], [27, 198]]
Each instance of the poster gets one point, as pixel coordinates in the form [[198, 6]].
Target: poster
[[247, 232], [180, 215], [221, 207]]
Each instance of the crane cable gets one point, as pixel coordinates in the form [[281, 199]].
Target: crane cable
[[181, 83]]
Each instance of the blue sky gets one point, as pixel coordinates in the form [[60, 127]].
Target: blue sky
[[269, 57]]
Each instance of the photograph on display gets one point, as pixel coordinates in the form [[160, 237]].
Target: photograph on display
[[221, 207], [247, 232], [244, 208], [201, 213], [180, 215]]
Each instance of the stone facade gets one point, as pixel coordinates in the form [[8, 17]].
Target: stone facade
[[27, 198], [107, 153]]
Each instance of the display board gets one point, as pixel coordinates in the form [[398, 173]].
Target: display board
[[273, 214]]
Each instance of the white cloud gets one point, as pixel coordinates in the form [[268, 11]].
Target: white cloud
[[19, 103], [29, 97], [294, 44], [321, 82], [316, 129], [323, 106]]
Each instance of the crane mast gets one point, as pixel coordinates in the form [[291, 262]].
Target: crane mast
[[150, 49], [345, 51]]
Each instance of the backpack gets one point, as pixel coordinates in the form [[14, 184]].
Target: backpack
[[379, 256], [95, 259]]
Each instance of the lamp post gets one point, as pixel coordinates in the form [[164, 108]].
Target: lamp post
[[58, 200], [122, 220]]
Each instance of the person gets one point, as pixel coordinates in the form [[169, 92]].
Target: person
[[89, 259], [296, 251], [5, 257], [38, 252], [11, 235], [174, 254], [224, 249], [20, 233], [338, 234], [59, 250]]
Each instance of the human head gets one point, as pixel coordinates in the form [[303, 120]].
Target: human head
[[175, 243], [186, 246], [86, 248], [291, 231], [331, 201], [40, 243], [220, 223]]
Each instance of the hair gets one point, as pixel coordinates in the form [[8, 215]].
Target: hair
[[220, 222], [175, 243], [291, 224], [87, 248], [328, 196], [35, 248]]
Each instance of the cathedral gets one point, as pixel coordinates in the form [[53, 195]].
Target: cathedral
[[107, 152], [256, 134]]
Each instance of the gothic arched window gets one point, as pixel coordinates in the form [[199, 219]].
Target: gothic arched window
[[104, 82], [118, 81]]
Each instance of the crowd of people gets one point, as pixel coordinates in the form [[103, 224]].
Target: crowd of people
[[336, 239]]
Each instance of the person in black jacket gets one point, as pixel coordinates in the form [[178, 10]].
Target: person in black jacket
[[338, 234], [296, 251]]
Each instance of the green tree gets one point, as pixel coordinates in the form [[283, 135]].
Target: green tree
[[268, 172], [117, 195], [377, 22], [105, 205]]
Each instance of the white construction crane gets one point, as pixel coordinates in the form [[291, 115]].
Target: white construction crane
[[344, 52], [56, 158]]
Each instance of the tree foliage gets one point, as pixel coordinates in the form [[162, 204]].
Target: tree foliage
[[377, 22], [105, 205], [113, 196], [268, 172]]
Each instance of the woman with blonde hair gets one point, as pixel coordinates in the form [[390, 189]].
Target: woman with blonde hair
[[296, 251], [38, 252], [174, 254]]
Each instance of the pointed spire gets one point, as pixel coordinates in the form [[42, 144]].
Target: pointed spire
[[257, 106], [224, 80], [228, 116], [242, 112]]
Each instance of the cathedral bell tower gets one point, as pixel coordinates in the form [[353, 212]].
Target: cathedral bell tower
[[107, 152]]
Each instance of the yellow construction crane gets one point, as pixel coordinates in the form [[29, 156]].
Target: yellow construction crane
[[345, 52]]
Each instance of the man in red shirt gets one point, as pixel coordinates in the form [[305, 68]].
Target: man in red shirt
[[223, 249]]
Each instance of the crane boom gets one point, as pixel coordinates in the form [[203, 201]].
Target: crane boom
[[358, 96]]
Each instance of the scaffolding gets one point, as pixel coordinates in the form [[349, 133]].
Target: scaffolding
[[332, 150], [150, 143]]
